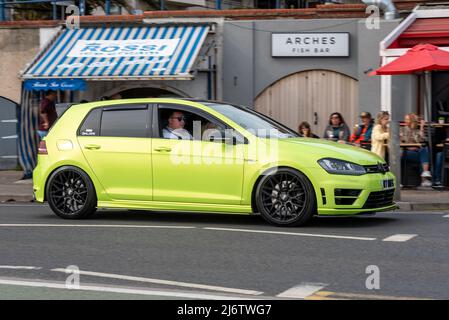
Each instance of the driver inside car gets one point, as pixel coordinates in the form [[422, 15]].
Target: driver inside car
[[175, 127]]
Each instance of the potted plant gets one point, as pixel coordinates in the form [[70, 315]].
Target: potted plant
[[441, 120]]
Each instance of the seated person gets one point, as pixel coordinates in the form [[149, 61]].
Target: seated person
[[337, 130], [439, 166], [215, 133], [305, 130], [361, 136], [175, 128], [411, 133]]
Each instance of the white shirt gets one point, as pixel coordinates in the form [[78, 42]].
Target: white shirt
[[181, 134]]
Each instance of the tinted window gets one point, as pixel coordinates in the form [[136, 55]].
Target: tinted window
[[91, 125], [124, 123]]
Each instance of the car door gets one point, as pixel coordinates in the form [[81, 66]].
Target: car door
[[195, 170], [116, 144]]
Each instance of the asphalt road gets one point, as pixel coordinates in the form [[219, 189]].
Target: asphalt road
[[147, 255]]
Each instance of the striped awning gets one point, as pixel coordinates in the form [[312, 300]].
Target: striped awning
[[116, 53]]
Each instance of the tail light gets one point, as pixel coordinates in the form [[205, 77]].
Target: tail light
[[42, 148]]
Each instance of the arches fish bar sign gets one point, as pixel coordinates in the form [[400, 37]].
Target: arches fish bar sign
[[310, 44]]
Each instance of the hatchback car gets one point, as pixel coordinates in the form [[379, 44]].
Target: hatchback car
[[201, 156]]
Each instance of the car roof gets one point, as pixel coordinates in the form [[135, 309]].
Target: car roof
[[94, 104], [139, 100]]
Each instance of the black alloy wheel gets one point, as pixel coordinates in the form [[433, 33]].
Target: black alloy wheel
[[285, 197], [71, 194]]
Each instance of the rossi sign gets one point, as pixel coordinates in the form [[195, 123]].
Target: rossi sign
[[310, 44], [123, 48]]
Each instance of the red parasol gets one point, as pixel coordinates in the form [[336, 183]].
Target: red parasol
[[422, 57]]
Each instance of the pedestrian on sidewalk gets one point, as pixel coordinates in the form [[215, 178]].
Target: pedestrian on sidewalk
[[47, 113], [438, 171], [381, 134]]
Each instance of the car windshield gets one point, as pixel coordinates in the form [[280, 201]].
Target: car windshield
[[255, 122]]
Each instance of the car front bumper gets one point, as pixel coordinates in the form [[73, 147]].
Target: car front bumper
[[366, 193]]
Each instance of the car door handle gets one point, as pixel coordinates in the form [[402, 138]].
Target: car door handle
[[162, 149], [92, 146]]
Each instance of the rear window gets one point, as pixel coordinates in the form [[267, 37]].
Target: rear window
[[91, 126], [124, 123]]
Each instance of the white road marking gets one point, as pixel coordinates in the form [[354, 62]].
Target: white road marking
[[302, 290], [164, 282], [446, 216], [10, 120], [149, 292], [14, 225], [31, 225], [10, 137], [400, 237], [20, 267], [9, 157], [294, 234]]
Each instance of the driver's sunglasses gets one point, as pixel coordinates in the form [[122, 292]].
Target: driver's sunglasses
[[182, 118]]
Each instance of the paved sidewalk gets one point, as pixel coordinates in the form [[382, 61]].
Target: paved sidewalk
[[424, 199], [12, 189]]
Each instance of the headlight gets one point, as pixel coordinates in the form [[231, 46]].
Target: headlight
[[335, 166]]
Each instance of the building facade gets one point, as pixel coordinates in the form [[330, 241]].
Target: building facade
[[236, 62], [306, 87]]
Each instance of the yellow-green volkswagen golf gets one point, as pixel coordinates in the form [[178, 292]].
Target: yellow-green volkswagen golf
[[201, 156]]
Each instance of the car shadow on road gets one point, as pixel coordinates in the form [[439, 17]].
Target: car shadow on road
[[230, 220]]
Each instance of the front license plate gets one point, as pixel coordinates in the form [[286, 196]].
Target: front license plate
[[387, 184]]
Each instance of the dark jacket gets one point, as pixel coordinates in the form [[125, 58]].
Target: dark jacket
[[343, 133]]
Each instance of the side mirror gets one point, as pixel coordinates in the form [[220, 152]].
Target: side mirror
[[225, 137]]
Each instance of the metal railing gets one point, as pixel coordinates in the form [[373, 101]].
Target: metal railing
[[10, 4]]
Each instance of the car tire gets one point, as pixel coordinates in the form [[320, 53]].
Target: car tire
[[285, 198], [71, 193]]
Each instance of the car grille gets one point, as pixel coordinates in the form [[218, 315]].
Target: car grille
[[377, 168], [379, 199]]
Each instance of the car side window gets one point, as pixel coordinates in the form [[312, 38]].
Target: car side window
[[91, 125], [132, 123], [177, 123]]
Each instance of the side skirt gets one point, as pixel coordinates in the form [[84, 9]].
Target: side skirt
[[177, 206]]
